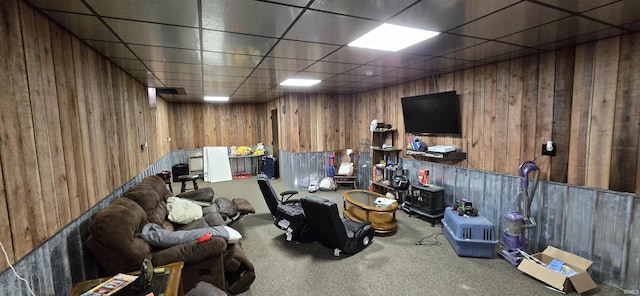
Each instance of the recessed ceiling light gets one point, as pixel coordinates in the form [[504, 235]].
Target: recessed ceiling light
[[216, 99], [392, 37], [300, 82]]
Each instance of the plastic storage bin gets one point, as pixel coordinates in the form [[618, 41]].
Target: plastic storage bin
[[469, 236]]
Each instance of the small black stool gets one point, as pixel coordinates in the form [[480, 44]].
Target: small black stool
[[166, 177], [186, 178]]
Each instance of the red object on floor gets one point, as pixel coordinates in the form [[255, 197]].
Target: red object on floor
[[242, 176]]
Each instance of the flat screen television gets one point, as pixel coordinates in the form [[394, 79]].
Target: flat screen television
[[432, 114]]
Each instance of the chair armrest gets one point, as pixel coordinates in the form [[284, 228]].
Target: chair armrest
[[290, 193], [191, 253]]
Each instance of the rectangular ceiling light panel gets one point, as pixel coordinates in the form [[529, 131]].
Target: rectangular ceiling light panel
[[300, 82], [390, 37], [216, 99]]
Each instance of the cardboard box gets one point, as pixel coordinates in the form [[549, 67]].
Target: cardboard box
[[580, 282]]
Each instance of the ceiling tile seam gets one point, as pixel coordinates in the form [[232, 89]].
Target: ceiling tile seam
[[119, 38], [448, 31], [201, 36], [302, 12], [581, 14]]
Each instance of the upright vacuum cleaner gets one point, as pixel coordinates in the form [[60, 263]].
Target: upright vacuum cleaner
[[515, 237]]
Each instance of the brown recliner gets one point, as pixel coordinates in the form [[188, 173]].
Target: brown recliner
[[114, 242]]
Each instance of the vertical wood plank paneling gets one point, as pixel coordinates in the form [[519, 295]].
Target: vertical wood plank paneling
[[79, 55], [625, 150], [17, 146], [580, 113], [600, 136], [36, 70], [476, 122], [502, 118], [489, 126], [562, 113], [544, 114], [67, 101], [466, 112], [514, 117], [530, 84]]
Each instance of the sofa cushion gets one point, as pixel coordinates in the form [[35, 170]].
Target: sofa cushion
[[116, 227], [151, 202], [204, 194]]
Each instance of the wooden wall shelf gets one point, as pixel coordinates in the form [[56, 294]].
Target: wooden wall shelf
[[455, 155]]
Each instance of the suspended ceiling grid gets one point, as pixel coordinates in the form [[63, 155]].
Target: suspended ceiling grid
[[244, 49]]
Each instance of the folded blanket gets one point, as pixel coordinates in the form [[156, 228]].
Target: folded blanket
[[183, 211], [157, 236]]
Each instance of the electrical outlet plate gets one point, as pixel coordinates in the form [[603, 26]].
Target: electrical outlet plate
[[547, 152]]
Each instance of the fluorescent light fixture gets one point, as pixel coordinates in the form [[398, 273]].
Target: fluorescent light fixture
[[216, 99], [300, 82], [392, 37]]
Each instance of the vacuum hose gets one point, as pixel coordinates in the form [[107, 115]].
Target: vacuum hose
[[526, 196]]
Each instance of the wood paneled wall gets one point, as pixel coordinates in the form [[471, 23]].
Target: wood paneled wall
[[71, 127], [585, 98]]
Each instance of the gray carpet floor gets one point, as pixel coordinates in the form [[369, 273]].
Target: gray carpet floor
[[396, 264]]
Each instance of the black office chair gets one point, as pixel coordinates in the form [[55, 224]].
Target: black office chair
[[325, 224], [287, 213]]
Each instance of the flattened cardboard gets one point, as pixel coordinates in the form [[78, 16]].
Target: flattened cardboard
[[581, 281]]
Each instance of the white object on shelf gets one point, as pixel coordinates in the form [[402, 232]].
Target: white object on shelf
[[442, 148]]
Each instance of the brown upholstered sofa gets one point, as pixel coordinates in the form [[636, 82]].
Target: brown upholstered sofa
[[114, 241]]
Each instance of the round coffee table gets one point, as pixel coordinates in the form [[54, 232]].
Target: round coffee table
[[359, 206]]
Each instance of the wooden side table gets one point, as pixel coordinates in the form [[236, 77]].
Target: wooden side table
[[172, 288]]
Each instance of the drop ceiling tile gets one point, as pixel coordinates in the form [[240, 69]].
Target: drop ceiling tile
[[223, 78], [577, 6], [183, 12], [554, 31], [405, 73], [374, 70], [521, 16], [248, 17], [312, 75], [111, 49], [230, 59], [329, 28], [372, 9], [632, 26], [617, 13], [67, 6], [386, 80], [347, 78], [327, 67], [236, 43], [173, 67], [301, 50], [301, 3], [437, 63], [227, 71], [166, 54], [483, 51], [182, 82], [276, 76], [219, 85], [83, 26], [442, 44], [355, 55], [129, 64], [444, 15], [155, 34], [399, 59], [177, 76], [284, 64], [580, 39]]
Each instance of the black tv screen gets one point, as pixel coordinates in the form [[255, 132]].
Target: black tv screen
[[432, 114]]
